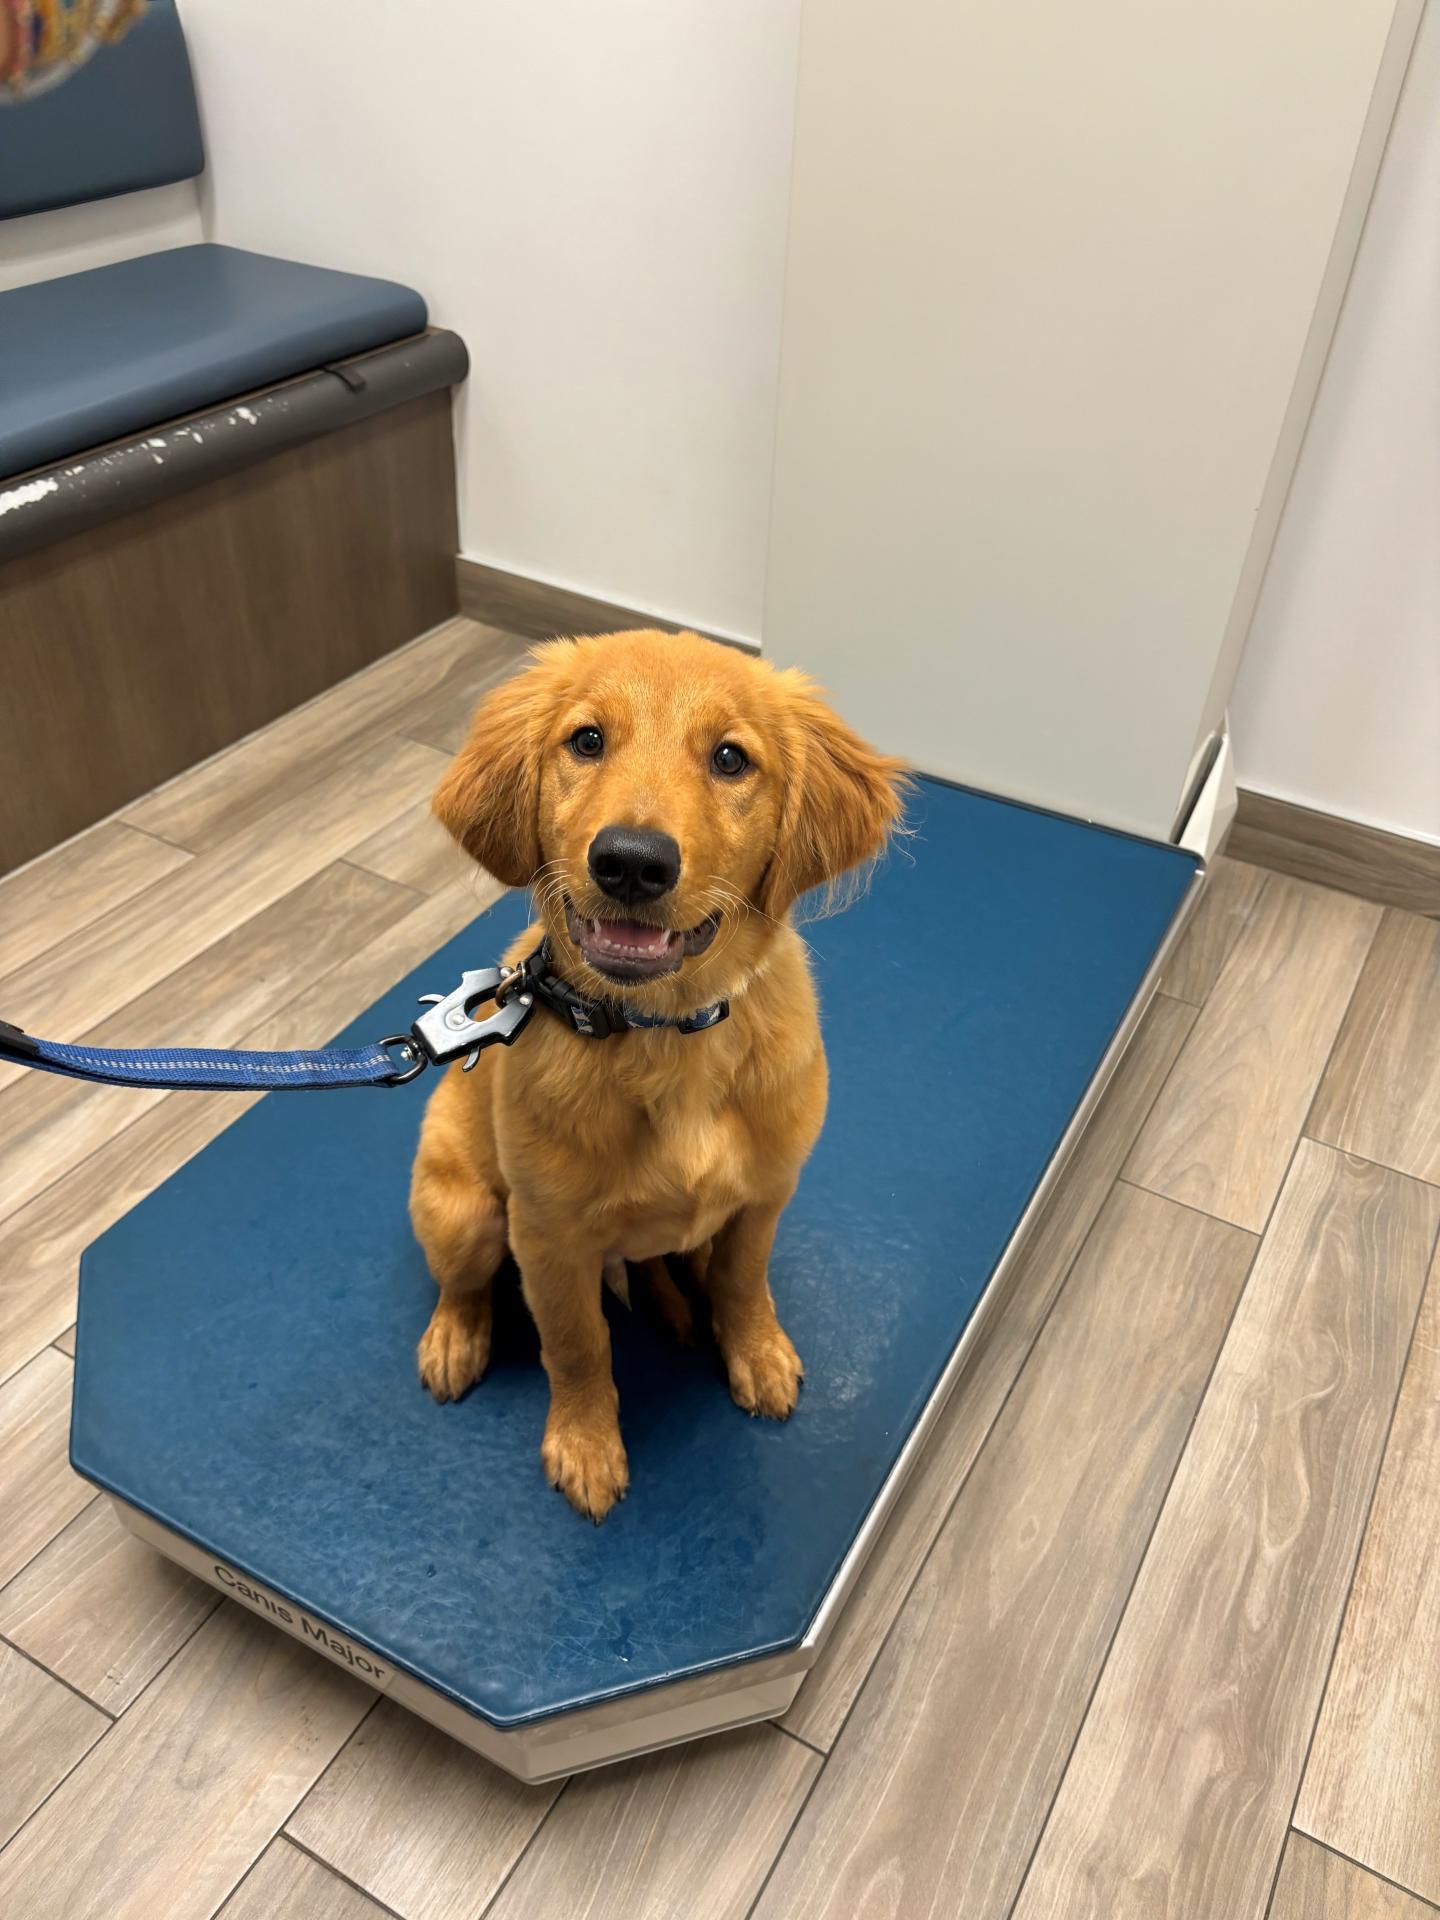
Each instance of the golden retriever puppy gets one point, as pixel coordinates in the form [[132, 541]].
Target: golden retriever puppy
[[667, 800]]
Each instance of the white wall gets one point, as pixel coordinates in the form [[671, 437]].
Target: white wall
[[43, 245], [1056, 276], [616, 433], [594, 197], [1338, 701]]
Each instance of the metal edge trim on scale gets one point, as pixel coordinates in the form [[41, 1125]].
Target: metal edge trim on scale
[[536, 1751]]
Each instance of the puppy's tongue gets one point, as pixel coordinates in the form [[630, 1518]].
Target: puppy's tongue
[[628, 939]]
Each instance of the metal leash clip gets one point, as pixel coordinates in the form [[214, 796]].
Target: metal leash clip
[[450, 1028]]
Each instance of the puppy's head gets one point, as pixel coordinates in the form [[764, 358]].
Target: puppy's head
[[668, 800]]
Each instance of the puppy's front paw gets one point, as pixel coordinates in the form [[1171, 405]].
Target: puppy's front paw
[[587, 1463], [455, 1348], [765, 1372]]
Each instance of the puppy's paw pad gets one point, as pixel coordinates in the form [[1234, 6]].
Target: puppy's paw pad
[[765, 1375], [588, 1466], [453, 1353]]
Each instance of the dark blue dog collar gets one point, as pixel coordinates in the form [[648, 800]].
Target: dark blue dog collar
[[599, 1019]]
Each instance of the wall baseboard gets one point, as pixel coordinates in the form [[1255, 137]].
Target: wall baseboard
[[540, 611], [1385, 867]]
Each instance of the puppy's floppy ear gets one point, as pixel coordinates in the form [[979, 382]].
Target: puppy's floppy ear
[[489, 797], [842, 798]]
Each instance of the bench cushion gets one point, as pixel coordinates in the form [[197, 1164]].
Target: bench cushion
[[109, 352]]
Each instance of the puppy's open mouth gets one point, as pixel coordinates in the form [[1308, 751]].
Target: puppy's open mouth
[[636, 949]]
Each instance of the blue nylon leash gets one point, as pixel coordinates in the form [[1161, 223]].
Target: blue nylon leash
[[219, 1067], [447, 1031]]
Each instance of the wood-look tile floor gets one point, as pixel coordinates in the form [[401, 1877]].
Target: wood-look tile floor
[[1154, 1630]]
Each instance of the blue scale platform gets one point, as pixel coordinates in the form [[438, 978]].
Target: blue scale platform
[[245, 1369]]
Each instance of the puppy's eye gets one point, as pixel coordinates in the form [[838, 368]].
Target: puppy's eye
[[729, 759], [588, 742]]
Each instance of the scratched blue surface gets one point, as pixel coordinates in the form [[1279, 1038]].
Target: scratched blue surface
[[246, 1367]]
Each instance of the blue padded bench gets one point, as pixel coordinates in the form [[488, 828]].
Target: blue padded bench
[[245, 1376], [128, 386], [95, 355]]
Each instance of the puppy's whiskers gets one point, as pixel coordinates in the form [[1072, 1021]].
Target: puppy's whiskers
[[735, 903], [719, 898], [549, 885]]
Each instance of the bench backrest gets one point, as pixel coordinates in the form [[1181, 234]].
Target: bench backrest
[[126, 119]]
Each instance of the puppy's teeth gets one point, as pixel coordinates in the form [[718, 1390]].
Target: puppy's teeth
[[595, 928]]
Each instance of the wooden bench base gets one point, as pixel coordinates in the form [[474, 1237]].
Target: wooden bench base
[[135, 649]]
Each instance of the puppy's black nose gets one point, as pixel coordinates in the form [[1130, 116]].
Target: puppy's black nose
[[634, 864]]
